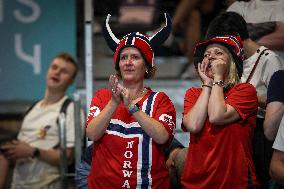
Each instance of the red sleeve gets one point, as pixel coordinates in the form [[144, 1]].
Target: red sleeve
[[190, 99], [165, 113], [99, 101], [243, 98]]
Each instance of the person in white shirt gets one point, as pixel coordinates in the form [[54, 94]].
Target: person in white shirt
[[36, 150]]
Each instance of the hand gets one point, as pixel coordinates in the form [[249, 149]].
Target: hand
[[17, 149], [202, 67], [126, 97], [219, 68], [115, 87], [170, 161]]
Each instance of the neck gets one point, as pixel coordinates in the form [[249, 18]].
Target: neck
[[136, 90], [250, 48], [51, 97]]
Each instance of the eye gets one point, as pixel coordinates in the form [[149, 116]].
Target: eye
[[206, 55], [53, 67], [136, 57], [123, 57], [219, 53]]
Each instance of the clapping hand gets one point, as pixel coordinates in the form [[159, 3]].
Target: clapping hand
[[116, 88]]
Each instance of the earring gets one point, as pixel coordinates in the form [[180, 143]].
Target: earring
[[147, 72]]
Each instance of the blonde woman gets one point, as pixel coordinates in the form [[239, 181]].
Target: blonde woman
[[220, 117]]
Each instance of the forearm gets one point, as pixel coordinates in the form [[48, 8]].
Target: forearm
[[152, 127], [216, 106], [277, 167], [4, 164], [271, 126], [275, 40], [183, 9], [52, 156], [98, 125], [273, 116], [194, 120]]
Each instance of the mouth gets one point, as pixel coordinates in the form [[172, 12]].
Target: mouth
[[55, 79]]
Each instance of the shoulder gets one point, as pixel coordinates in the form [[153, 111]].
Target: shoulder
[[103, 93], [193, 91], [237, 7], [270, 55], [245, 87], [277, 76]]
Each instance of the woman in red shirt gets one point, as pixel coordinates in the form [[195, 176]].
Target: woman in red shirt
[[220, 117]]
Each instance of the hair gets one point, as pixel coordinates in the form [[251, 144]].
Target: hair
[[228, 23], [68, 58], [150, 70], [232, 77]]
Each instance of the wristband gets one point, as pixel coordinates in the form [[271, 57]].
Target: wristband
[[204, 85], [36, 153], [134, 109], [219, 83]]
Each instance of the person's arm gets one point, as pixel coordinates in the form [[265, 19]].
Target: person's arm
[[152, 127], [195, 118], [274, 40], [277, 166], [19, 149], [182, 11], [98, 125], [4, 164], [101, 119], [273, 116], [219, 112]]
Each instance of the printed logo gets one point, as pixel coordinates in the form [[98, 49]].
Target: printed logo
[[167, 118]]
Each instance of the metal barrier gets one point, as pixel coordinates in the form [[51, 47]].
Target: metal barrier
[[62, 144]]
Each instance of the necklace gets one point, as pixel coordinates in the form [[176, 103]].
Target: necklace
[[138, 94]]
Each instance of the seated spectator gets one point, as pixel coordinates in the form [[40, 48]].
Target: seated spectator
[[262, 12], [36, 151]]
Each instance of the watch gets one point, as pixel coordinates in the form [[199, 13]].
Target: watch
[[36, 153], [134, 109], [220, 83]]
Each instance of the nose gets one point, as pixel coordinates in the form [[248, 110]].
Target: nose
[[211, 56], [128, 61]]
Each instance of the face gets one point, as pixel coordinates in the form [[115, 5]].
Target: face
[[213, 53], [60, 74], [131, 64]]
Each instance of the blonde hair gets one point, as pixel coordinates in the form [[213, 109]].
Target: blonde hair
[[232, 74]]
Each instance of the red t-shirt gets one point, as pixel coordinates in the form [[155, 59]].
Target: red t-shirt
[[125, 156], [220, 157]]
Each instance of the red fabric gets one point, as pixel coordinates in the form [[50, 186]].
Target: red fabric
[[220, 157], [111, 152]]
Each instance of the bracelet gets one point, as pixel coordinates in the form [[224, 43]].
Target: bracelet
[[220, 83], [36, 153], [204, 85], [134, 109]]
